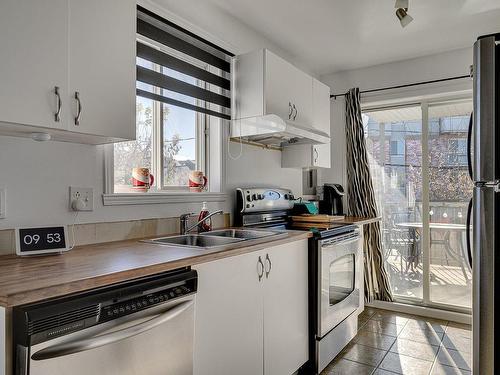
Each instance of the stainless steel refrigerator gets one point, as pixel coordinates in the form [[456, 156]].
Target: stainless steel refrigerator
[[484, 212]]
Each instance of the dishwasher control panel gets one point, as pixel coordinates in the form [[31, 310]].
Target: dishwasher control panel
[[47, 320], [119, 309]]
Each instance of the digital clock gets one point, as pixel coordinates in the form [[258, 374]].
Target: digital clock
[[41, 240]]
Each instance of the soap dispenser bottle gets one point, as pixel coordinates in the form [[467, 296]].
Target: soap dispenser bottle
[[206, 226]]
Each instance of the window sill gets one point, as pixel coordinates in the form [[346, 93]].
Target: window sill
[[161, 198]]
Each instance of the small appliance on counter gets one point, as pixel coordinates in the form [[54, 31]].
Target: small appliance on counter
[[305, 207], [330, 199]]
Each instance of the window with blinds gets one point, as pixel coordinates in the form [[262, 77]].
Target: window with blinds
[[179, 68], [183, 97]]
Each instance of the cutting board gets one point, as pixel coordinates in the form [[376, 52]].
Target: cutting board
[[316, 218], [310, 225]]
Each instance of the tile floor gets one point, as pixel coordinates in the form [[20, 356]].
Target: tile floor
[[391, 343]]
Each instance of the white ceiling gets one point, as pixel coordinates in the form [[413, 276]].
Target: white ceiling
[[334, 35]]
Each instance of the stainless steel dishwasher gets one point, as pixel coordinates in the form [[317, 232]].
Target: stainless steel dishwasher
[[141, 327]]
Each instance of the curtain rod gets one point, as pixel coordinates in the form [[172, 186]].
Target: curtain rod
[[334, 96]]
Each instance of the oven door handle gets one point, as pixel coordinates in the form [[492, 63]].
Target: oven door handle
[[109, 338]]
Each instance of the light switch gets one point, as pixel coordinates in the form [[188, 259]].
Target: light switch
[[3, 208]]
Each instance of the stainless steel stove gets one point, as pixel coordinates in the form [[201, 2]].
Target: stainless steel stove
[[263, 207], [335, 270]]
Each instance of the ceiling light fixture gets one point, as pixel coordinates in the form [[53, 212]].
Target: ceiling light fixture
[[402, 12]]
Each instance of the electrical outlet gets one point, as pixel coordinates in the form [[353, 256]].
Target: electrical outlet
[[3, 208], [85, 194]]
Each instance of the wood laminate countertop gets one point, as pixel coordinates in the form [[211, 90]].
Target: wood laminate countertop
[[358, 220], [31, 279]]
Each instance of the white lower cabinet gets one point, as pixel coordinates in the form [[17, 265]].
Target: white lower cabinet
[[286, 309], [228, 320], [246, 326]]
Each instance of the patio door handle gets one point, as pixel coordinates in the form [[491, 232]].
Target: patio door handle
[[467, 233]]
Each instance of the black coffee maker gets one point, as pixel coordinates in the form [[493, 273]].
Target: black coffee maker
[[331, 199]]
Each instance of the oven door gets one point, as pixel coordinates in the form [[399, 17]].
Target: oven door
[[339, 278]]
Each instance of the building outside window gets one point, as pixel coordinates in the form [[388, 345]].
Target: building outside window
[[457, 151]]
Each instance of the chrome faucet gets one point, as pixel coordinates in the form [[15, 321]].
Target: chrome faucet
[[184, 218]]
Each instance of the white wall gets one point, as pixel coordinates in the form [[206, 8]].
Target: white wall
[[443, 65], [257, 167], [37, 175]]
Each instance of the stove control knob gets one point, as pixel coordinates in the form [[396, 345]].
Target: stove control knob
[[255, 197], [286, 196], [291, 197], [261, 196], [249, 198]]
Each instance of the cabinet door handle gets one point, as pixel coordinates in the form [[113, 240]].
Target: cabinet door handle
[[57, 115], [296, 111], [291, 110], [78, 108], [268, 261], [316, 155], [260, 268]]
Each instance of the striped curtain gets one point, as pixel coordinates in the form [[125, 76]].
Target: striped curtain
[[361, 201]]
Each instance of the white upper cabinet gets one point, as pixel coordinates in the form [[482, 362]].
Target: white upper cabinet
[[78, 46], [265, 84], [306, 156], [288, 91], [321, 155], [102, 67], [33, 61], [321, 106], [318, 155]]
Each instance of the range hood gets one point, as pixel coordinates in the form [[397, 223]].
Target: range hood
[[272, 130]]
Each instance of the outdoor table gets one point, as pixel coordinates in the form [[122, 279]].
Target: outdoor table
[[457, 229]]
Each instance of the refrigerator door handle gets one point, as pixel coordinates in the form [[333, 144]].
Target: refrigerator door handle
[[467, 233], [469, 146]]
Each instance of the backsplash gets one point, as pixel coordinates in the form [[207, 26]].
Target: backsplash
[[86, 234]]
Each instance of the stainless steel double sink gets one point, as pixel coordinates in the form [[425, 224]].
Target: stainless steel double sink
[[214, 239]]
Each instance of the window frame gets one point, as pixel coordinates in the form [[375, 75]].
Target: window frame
[[201, 126], [214, 133]]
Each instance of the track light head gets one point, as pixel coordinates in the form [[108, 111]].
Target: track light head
[[403, 16]]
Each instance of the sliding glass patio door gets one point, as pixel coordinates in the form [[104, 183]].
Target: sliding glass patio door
[[417, 156], [450, 190]]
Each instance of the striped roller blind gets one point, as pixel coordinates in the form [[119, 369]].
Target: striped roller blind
[[177, 67]]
